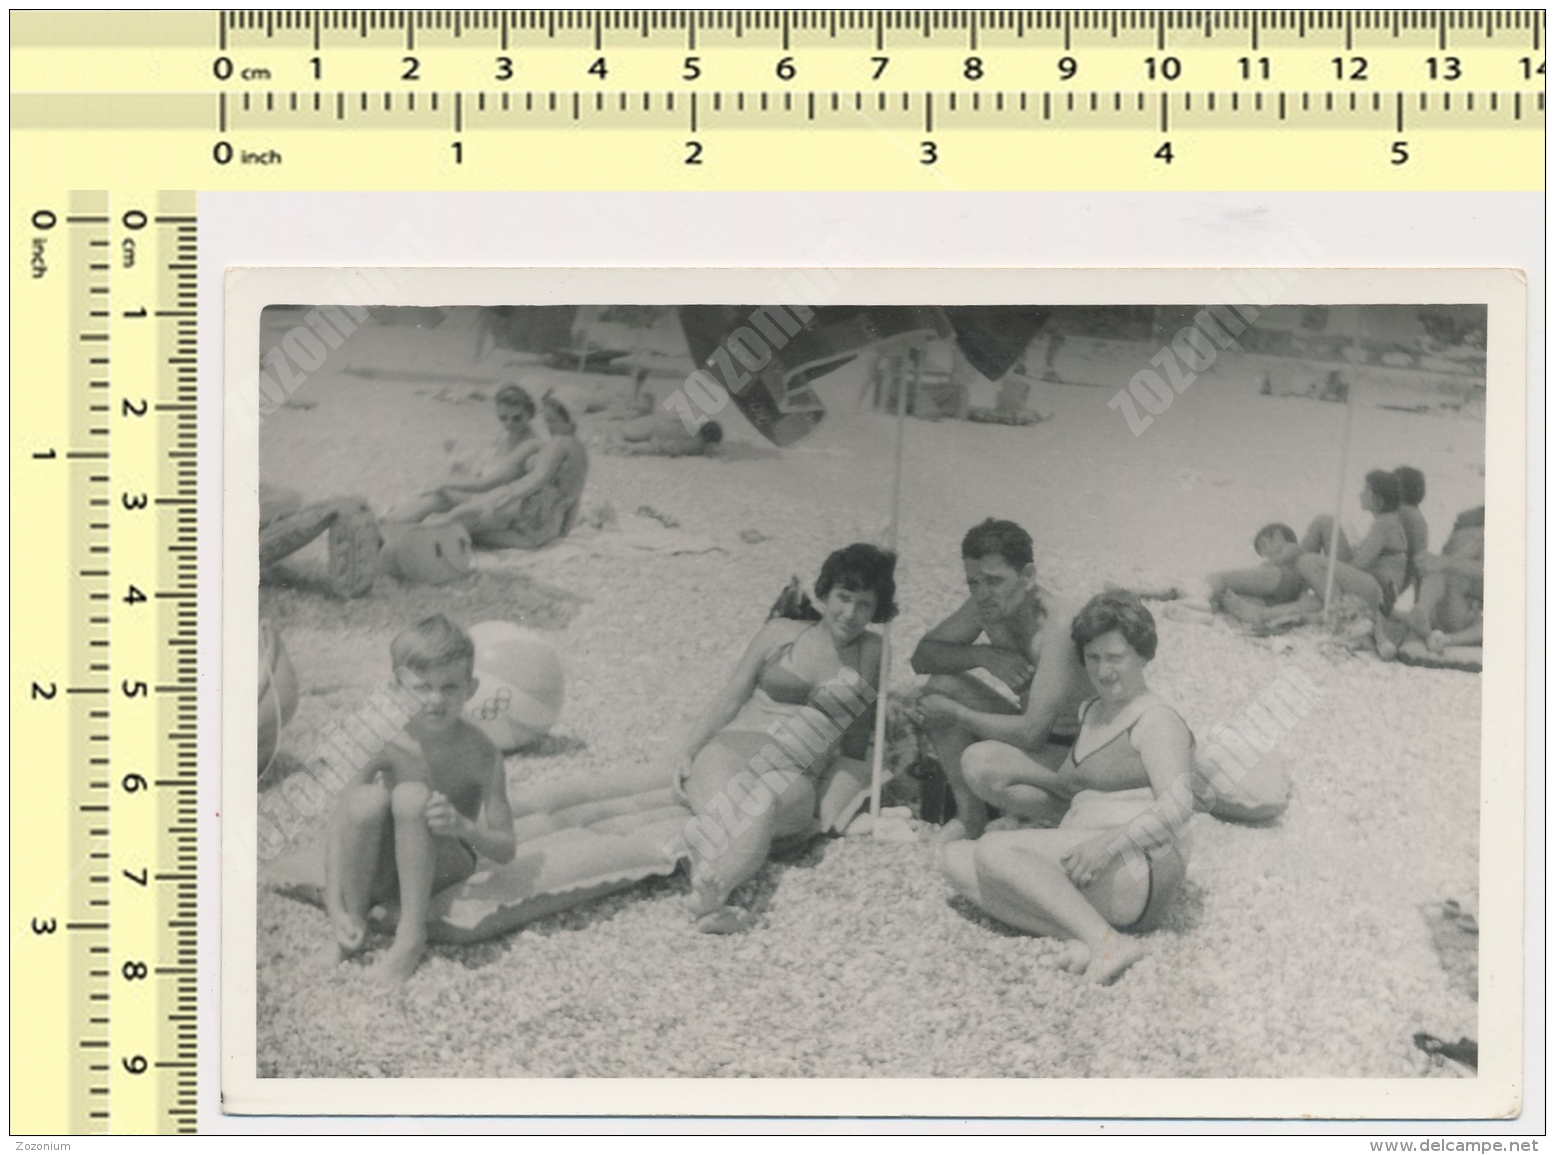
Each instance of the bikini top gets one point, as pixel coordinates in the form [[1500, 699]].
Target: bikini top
[[1115, 764], [780, 682]]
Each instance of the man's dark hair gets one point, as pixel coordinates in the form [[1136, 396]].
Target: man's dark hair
[[711, 432], [995, 538]]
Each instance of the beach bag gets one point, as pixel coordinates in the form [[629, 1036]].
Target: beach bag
[[354, 546], [278, 693]]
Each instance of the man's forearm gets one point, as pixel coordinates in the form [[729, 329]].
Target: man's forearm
[[949, 658]]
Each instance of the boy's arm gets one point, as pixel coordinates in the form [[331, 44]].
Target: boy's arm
[[493, 835]]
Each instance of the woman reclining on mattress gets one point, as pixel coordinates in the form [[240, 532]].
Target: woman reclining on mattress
[[1118, 856], [780, 752]]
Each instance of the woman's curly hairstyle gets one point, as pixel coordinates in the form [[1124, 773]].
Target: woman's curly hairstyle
[[861, 566], [1119, 610]]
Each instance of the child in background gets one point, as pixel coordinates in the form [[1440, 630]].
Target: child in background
[[418, 813], [1249, 594]]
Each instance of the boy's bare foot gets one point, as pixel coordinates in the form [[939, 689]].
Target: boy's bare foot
[[726, 920], [328, 956], [350, 933], [1073, 957], [1112, 956], [398, 963]]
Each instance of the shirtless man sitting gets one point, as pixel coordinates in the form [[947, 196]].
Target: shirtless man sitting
[[1040, 682]]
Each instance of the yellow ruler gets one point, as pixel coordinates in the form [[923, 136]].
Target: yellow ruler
[[113, 112]]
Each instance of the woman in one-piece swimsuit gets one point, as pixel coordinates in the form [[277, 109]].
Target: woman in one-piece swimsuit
[[779, 754], [1119, 854]]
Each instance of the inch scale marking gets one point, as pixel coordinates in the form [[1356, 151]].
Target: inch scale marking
[[104, 950]]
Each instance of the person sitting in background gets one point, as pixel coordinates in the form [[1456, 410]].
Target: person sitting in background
[[1372, 570], [661, 435], [780, 753], [506, 461], [1035, 680], [1450, 607], [1119, 854], [1411, 492], [539, 507]]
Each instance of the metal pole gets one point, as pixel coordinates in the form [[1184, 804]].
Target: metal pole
[[877, 769]]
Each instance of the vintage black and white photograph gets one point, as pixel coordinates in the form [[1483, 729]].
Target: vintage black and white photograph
[[1002, 688]]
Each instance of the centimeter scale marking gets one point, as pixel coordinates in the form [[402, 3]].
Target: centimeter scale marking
[[103, 878], [726, 99]]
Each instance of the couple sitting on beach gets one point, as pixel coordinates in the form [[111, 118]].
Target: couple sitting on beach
[[524, 493], [1392, 558], [1072, 680]]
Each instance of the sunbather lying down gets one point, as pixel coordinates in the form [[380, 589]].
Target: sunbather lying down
[[661, 435]]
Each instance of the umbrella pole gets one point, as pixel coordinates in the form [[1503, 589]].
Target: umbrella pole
[[877, 768], [1333, 537]]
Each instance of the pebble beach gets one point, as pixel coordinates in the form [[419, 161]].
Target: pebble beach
[[1302, 948]]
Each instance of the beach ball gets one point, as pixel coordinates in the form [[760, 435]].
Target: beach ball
[[521, 685]]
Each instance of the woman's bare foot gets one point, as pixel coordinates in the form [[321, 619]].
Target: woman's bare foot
[[1112, 956], [1436, 642], [726, 920], [398, 963], [708, 892], [952, 831]]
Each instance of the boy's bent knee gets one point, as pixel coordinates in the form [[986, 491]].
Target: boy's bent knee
[[365, 803], [409, 800]]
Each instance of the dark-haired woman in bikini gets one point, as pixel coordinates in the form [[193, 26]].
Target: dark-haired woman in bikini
[[779, 754], [1118, 856]]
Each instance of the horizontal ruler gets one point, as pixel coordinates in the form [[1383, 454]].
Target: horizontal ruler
[[607, 51], [784, 100]]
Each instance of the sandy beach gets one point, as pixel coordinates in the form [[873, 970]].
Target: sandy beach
[[1298, 949]]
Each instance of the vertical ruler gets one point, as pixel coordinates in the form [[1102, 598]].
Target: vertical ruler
[[103, 690]]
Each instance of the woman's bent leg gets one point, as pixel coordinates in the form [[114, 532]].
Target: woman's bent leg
[[1021, 874], [737, 816], [1347, 579]]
